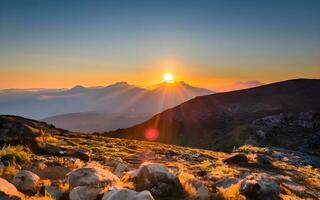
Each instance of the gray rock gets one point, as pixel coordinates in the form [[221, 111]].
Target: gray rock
[[263, 160], [55, 192], [157, 179], [84, 193], [9, 191], [126, 194], [78, 153], [259, 187], [90, 175], [120, 169], [237, 159], [26, 181]]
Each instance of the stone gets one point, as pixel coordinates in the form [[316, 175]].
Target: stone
[[126, 194], [78, 153], [263, 160], [237, 159], [88, 182], [157, 179], [120, 169], [84, 193], [27, 182], [259, 187], [90, 175], [9, 191], [55, 192]]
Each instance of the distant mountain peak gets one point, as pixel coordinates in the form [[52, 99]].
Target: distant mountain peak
[[78, 88], [119, 84]]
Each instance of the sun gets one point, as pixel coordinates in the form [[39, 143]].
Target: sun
[[168, 77]]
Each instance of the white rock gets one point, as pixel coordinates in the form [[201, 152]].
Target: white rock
[[90, 175], [126, 194]]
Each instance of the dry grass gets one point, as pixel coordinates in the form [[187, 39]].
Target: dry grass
[[15, 154], [9, 171], [47, 139], [231, 193]]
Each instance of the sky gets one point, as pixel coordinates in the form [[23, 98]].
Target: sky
[[208, 43]]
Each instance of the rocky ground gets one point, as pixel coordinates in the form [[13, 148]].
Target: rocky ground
[[88, 167]]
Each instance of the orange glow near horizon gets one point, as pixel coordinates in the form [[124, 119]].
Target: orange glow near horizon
[[168, 77]]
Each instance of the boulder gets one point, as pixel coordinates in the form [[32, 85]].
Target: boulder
[[157, 179], [126, 194], [84, 193], [90, 175], [259, 187], [27, 182], [237, 159], [9, 191], [263, 160], [88, 182]]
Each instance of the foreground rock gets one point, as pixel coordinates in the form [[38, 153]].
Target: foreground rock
[[27, 182], [84, 193], [8, 191], [157, 179], [88, 182], [126, 194], [259, 187], [237, 159]]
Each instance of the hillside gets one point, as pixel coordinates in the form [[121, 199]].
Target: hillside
[[224, 120], [79, 166]]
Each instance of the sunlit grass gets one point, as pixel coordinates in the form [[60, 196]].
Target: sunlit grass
[[15, 154]]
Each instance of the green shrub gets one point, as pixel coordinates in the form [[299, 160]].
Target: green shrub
[[15, 153]]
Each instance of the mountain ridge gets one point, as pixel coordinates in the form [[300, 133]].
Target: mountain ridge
[[214, 116]]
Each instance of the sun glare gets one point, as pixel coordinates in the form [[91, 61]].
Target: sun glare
[[168, 77]]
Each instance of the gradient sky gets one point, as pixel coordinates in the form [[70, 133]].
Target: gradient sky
[[204, 42]]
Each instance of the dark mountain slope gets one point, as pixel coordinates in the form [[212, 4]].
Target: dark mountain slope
[[223, 120]]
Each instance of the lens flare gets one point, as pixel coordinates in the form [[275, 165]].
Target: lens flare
[[151, 134]]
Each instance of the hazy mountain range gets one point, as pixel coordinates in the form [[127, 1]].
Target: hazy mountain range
[[93, 109], [270, 114]]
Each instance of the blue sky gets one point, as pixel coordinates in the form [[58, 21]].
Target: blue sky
[[62, 43]]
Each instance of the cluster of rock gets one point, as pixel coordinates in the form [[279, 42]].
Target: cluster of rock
[[296, 131]]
